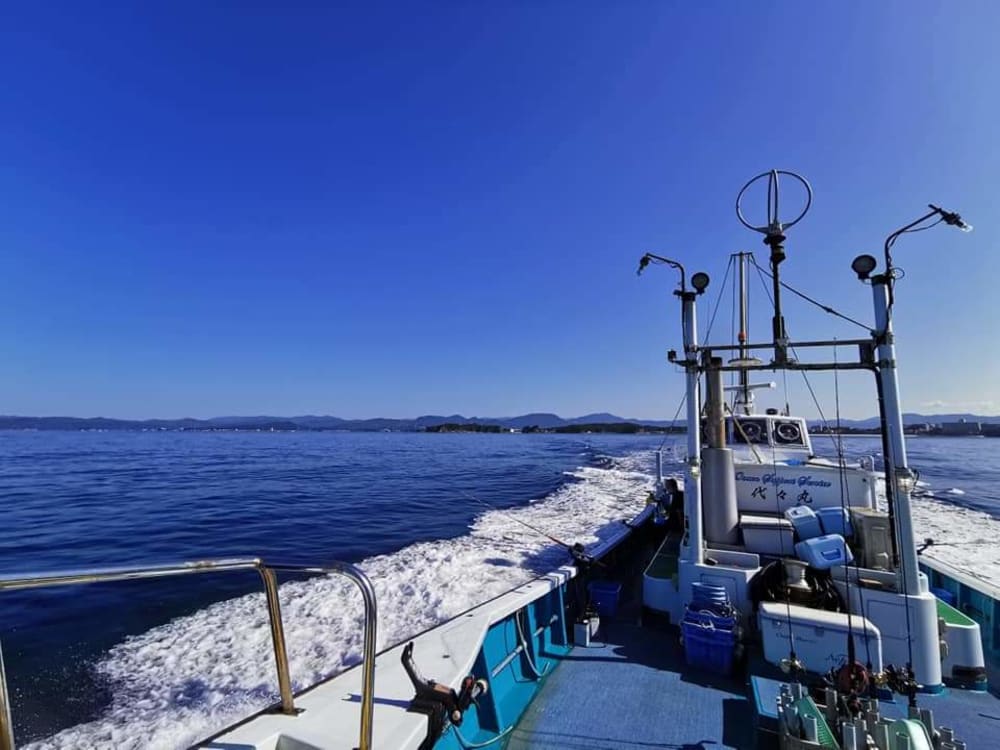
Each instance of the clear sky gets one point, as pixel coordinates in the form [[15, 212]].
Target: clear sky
[[401, 209]]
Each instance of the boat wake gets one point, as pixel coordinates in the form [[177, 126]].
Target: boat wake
[[184, 680]]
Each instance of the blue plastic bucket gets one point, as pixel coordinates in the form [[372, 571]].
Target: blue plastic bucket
[[604, 596]]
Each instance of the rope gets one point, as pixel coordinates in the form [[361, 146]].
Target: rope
[[475, 745], [524, 647]]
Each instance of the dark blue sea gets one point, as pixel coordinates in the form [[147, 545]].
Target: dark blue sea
[[158, 665]]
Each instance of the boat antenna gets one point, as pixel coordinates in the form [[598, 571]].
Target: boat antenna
[[774, 238]]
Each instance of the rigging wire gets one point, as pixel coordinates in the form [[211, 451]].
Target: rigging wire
[[670, 429], [807, 298], [718, 299], [805, 377]]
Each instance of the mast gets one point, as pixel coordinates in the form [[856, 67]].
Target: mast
[[746, 397]]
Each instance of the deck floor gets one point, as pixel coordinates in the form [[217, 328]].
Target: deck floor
[[636, 691]]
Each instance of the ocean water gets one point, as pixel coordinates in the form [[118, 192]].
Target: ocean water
[[428, 517]]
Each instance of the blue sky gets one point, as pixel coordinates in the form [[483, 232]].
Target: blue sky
[[392, 210]]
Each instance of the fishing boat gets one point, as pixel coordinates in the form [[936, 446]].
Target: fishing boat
[[714, 617]]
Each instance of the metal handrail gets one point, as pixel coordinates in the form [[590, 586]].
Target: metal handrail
[[269, 578]]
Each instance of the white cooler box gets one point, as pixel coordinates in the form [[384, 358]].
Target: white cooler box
[[768, 535], [820, 637]]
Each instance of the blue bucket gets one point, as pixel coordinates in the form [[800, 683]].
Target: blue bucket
[[604, 596]]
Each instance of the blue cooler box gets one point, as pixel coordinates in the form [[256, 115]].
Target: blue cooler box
[[835, 521], [805, 522], [823, 552]]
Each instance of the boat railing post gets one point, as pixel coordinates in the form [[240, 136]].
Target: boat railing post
[[368, 653], [268, 574], [278, 639], [6, 723], [360, 580]]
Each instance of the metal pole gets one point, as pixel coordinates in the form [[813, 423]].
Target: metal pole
[[278, 639], [744, 336], [716, 429], [368, 665], [6, 723], [897, 470], [692, 486], [371, 629]]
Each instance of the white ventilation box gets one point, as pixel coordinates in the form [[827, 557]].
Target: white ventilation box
[[874, 532]]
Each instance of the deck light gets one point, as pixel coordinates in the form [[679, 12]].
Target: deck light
[[700, 282], [863, 266]]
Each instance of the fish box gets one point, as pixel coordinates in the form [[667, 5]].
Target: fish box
[[824, 552], [767, 535], [820, 637]]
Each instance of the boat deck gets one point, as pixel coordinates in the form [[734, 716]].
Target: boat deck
[[636, 691]]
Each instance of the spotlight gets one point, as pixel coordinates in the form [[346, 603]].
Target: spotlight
[[700, 282], [863, 266]]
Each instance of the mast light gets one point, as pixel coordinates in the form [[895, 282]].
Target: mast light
[[700, 282], [863, 266]]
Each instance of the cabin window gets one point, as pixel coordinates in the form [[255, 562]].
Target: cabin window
[[789, 432], [749, 431]]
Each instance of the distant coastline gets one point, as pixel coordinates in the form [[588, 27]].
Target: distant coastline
[[538, 422]]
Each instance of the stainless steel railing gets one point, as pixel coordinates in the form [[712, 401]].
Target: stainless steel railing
[[268, 574]]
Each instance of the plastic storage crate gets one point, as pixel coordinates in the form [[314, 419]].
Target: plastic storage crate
[[709, 648]]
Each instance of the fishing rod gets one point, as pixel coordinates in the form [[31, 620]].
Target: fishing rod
[[577, 550], [928, 542]]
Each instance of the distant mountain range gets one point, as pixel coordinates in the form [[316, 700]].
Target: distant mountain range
[[542, 420]]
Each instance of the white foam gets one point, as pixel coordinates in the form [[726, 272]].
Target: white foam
[[182, 681], [969, 538]]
